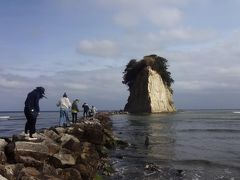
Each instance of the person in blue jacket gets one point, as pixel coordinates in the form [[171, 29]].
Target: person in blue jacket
[[31, 110]]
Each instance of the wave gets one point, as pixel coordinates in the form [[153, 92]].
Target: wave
[[207, 163], [210, 130], [4, 117], [236, 112], [14, 119]]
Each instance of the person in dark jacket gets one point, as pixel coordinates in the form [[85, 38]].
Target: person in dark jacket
[[32, 110], [75, 110], [85, 109]]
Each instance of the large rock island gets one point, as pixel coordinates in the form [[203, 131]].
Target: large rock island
[[149, 84]]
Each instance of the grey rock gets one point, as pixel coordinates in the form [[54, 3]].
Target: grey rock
[[3, 143], [38, 151]]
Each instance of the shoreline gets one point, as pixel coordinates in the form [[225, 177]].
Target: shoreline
[[79, 151]]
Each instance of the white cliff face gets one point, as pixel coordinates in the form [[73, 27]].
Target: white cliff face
[[149, 94], [159, 94]]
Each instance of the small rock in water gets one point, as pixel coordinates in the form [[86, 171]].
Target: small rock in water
[[179, 171], [146, 141]]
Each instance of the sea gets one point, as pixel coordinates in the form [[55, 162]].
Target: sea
[[13, 122], [188, 144]]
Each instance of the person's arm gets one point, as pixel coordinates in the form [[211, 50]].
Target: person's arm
[[77, 108], [69, 103], [36, 103], [58, 103]]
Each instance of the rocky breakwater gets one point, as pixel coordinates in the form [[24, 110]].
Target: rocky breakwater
[[75, 152]]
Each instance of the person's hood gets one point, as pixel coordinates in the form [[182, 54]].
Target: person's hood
[[41, 91], [65, 95]]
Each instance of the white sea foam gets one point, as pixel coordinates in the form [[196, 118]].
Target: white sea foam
[[4, 117], [236, 112]]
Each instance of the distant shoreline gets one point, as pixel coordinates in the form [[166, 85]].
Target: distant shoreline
[[12, 111]]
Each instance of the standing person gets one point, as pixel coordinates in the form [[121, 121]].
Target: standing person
[[85, 109], [75, 110], [31, 110], [64, 104], [94, 110]]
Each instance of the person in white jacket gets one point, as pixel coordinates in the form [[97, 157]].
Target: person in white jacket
[[64, 104]]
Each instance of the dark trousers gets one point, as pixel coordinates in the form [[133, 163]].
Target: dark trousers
[[74, 117], [85, 113], [31, 121]]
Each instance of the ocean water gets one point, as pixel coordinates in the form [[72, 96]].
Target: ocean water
[[14, 122], [197, 145]]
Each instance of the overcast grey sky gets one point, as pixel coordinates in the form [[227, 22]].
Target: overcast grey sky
[[81, 47]]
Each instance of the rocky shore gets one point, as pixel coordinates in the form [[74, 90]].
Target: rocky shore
[[75, 152]]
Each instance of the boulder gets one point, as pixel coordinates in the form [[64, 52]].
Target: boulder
[[62, 160], [60, 130], [53, 147], [89, 155], [3, 178], [67, 137], [3, 143], [93, 133], [69, 174], [9, 152], [29, 161], [73, 146], [3, 158], [87, 171], [48, 177], [51, 134], [76, 130], [104, 120], [11, 171], [29, 173], [49, 170], [38, 151]]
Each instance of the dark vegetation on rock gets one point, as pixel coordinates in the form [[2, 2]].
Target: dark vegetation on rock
[[157, 63], [76, 152]]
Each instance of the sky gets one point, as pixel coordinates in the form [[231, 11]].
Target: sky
[[82, 47]]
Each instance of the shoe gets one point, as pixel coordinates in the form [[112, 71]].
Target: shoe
[[35, 135], [24, 134], [32, 138]]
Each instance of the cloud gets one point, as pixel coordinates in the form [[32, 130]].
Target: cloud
[[165, 17], [185, 35], [75, 86], [102, 88], [207, 69], [161, 13], [141, 4], [127, 19], [148, 27], [102, 48], [201, 61], [161, 17], [11, 81]]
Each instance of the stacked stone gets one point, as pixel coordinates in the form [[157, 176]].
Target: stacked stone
[[74, 152]]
